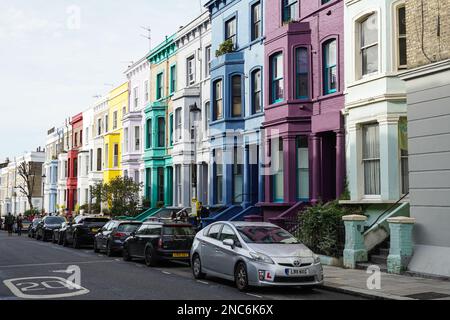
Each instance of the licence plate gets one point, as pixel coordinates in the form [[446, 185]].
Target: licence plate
[[296, 272], [180, 255], [94, 230]]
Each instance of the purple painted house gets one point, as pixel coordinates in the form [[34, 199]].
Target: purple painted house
[[304, 84]]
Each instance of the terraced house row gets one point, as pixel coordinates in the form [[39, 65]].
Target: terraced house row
[[258, 108]]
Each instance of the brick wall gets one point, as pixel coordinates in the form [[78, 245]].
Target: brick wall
[[436, 47]]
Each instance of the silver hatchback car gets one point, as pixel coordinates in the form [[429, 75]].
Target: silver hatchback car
[[254, 254]]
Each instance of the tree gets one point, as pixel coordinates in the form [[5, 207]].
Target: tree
[[27, 171], [122, 196]]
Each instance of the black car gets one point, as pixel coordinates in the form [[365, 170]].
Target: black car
[[156, 241], [111, 237], [58, 233], [44, 229], [32, 227], [83, 230]]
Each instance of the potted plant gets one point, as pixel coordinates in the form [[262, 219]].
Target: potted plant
[[225, 47]]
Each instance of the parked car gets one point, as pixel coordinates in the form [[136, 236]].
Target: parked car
[[83, 230], [111, 237], [254, 254], [25, 225], [58, 233], [32, 227], [156, 241], [44, 229]]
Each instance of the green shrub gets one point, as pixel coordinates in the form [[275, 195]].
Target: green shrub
[[322, 228], [225, 47]]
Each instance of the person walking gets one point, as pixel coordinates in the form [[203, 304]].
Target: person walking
[[9, 222], [19, 223]]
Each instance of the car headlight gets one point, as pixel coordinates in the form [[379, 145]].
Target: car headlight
[[316, 259], [261, 257]]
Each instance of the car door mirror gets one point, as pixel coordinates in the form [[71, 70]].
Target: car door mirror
[[228, 243]]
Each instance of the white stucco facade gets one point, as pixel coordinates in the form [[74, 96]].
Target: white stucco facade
[[190, 112], [138, 76], [375, 103]]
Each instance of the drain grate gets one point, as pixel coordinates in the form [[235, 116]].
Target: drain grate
[[428, 295]]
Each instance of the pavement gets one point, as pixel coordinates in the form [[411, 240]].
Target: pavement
[[390, 286], [31, 269]]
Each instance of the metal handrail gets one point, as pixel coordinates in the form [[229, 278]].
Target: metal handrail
[[389, 209]]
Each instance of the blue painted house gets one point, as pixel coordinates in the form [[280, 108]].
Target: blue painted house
[[236, 107]]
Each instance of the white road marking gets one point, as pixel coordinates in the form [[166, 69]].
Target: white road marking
[[254, 295], [51, 264], [21, 286], [204, 282], [165, 272]]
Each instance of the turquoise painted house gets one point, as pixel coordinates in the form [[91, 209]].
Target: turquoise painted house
[[157, 155]]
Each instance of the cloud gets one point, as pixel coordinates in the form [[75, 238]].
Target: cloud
[[17, 23]]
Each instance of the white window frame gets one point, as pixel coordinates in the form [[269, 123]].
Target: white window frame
[[357, 64], [190, 70], [396, 40]]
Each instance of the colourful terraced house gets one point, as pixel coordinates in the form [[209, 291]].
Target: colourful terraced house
[[157, 151], [117, 107]]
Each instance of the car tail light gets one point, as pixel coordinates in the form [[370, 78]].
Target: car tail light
[[119, 235]]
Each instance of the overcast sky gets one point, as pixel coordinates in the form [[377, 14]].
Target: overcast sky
[[56, 55]]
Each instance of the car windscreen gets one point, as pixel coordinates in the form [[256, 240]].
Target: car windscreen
[[54, 220], [36, 222], [265, 234], [178, 231], [128, 227]]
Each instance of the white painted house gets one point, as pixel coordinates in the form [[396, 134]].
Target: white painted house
[[375, 108], [138, 75], [190, 87]]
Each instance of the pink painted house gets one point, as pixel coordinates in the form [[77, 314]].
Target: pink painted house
[[304, 84]]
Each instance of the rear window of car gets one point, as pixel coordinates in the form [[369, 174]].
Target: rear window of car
[[95, 220], [54, 220], [128, 227], [178, 231]]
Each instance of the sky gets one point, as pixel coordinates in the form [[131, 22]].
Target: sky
[[57, 55]]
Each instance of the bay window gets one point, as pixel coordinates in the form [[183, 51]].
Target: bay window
[[236, 110], [371, 159], [277, 78], [302, 73], [218, 100]]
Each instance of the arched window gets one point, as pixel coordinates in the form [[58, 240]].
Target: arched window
[[277, 78], [329, 67], [256, 87]]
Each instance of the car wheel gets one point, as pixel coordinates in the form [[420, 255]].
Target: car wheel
[[241, 276], [197, 268], [125, 254], [75, 243], [60, 239], [96, 247], [109, 251], [37, 236], [150, 259]]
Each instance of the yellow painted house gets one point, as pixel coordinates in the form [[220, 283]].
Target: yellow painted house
[[117, 108]]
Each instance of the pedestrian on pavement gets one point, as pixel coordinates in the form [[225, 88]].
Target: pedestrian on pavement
[[9, 222], [19, 225]]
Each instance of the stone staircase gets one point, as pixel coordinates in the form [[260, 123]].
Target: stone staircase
[[377, 256]]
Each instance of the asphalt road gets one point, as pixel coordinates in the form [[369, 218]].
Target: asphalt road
[[31, 269]]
